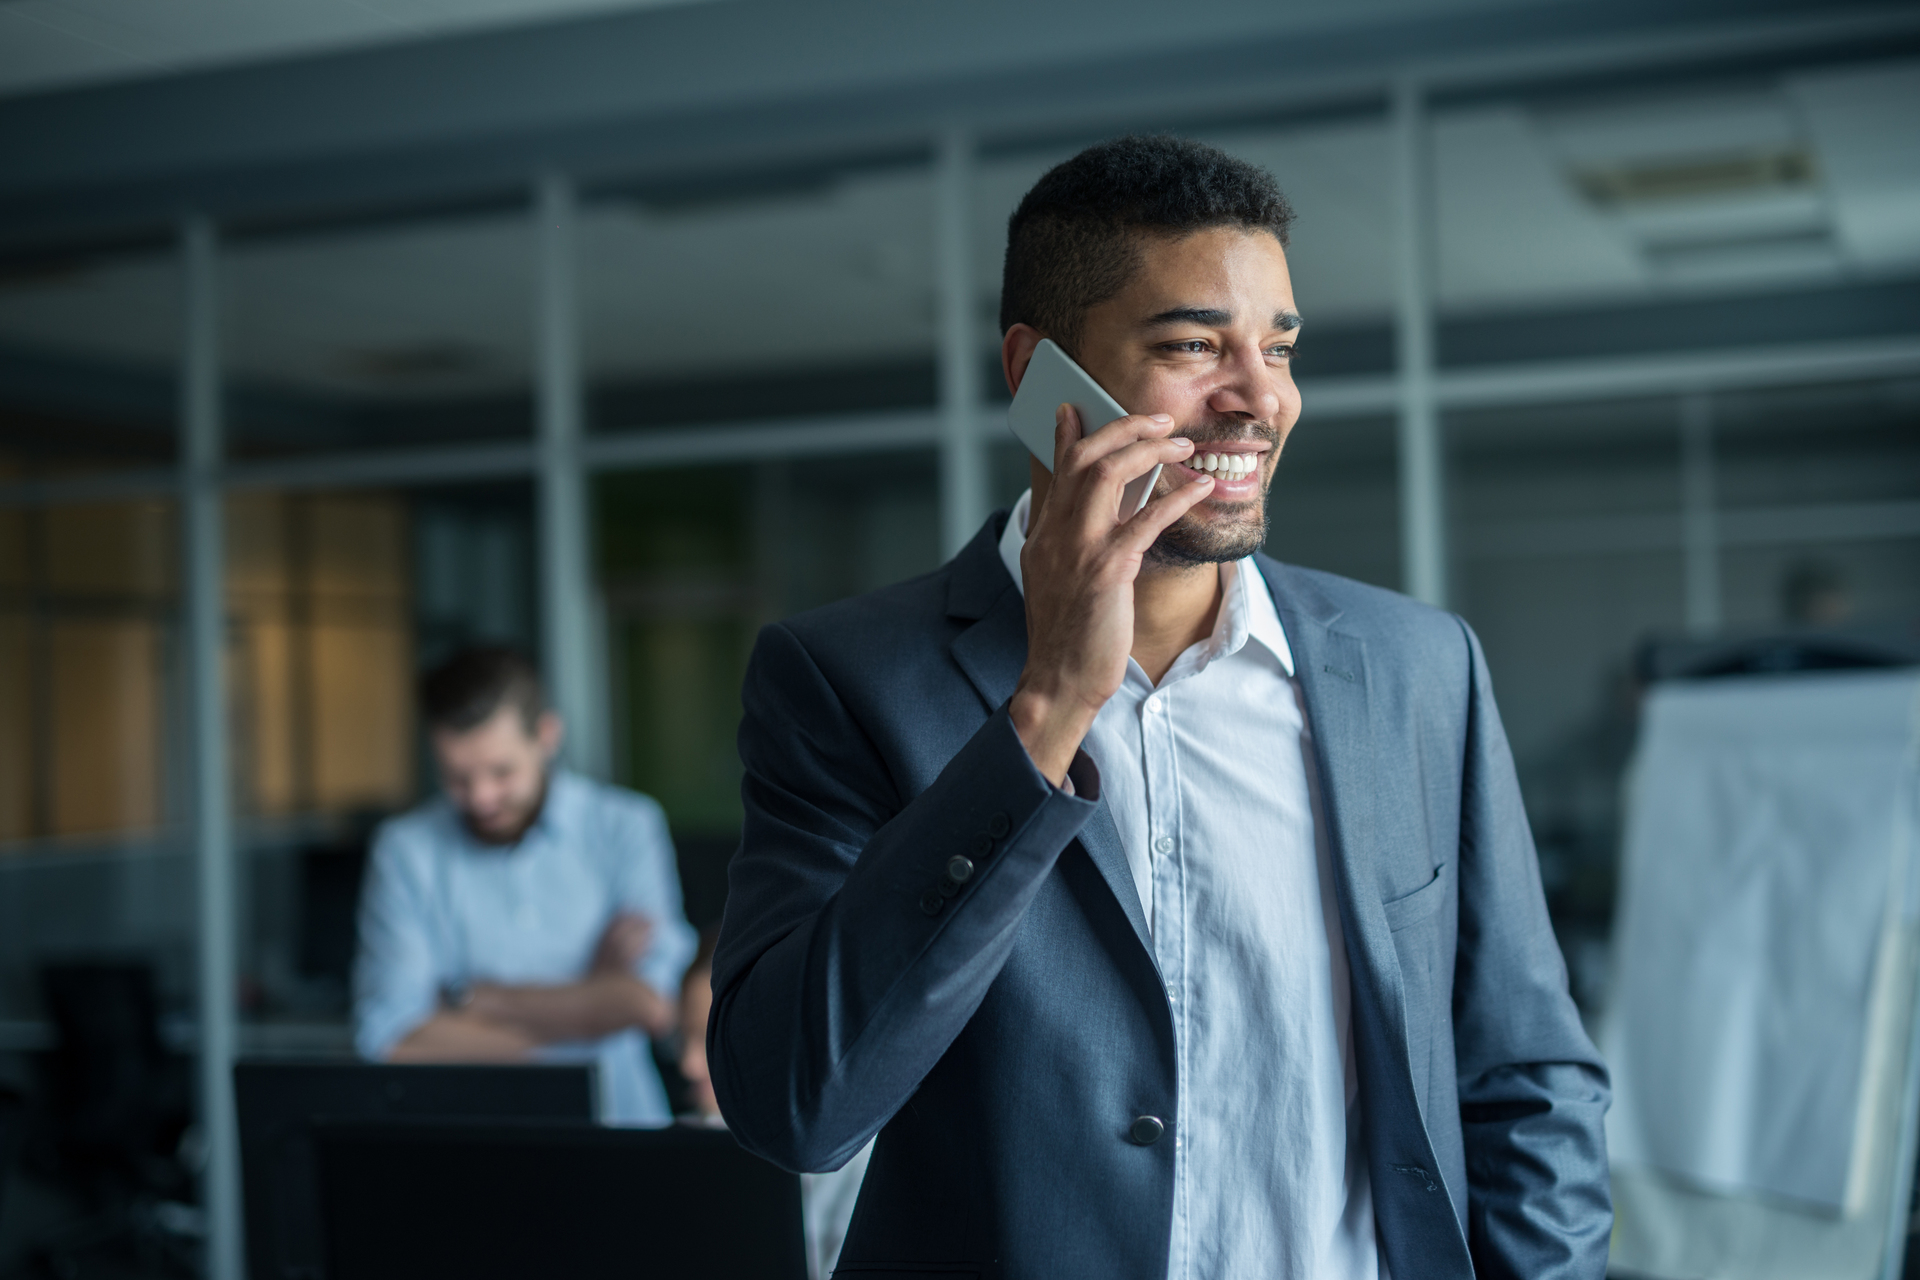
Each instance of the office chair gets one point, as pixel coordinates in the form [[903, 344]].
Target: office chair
[[116, 1109], [13, 1132]]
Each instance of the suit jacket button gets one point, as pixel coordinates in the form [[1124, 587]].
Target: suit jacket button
[[1146, 1130], [982, 846], [931, 902], [959, 869], [998, 825]]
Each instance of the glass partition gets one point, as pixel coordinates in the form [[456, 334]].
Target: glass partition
[[87, 647], [379, 336], [692, 562], [92, 783], [812, 298], [89, 347], [1821, 486], [320, 603]]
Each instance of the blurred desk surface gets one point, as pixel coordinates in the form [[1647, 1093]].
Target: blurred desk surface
[[272, 1039]]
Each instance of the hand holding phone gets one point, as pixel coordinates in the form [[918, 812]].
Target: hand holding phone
[[1053, 379], [1086, 544]]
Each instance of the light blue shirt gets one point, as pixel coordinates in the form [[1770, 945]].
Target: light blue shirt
[[440, 908], [1210, 779]]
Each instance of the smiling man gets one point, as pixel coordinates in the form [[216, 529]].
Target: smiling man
[[1165, 909]]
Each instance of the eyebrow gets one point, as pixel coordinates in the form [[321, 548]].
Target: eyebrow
[[1283, 320]]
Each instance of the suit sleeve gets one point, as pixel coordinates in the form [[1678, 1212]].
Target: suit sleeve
[[849, 958], [1533, 1090]]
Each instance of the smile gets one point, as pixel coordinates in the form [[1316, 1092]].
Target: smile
[[1235, 472], [1224, 466]]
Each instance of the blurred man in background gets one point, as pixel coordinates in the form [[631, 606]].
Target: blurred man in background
[[526, 914]]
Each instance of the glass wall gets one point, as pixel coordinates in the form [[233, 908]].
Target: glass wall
[[87, 647], [89, 348], [321, 620], [692, 562], [379, 335], [732, 303]]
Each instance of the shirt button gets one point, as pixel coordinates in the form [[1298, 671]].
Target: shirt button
[[1173, 992], [1163, 845]]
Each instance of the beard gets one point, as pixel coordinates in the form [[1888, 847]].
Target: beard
[[1189, 542]]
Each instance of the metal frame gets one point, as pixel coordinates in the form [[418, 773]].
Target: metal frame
[[565, 586], [963, 454], [1423, 515], [1326, 399], [202, 510]]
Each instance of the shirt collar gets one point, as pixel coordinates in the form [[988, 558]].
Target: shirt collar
[[1248, 612]]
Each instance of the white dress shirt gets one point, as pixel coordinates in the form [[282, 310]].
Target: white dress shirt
[[1210, 779], [440, 908]]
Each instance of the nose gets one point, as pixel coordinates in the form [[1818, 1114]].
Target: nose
[[1249, 389]]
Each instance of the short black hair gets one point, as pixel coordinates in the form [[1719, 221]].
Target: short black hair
[[466, 690], [1074, 241]]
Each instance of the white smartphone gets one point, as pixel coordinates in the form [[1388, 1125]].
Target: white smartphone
[[1053, 379]]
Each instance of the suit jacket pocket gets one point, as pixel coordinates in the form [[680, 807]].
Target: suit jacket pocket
[[1412, 908]]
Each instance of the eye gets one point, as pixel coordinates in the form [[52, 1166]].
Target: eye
[[1192, 346], [1281, 351]]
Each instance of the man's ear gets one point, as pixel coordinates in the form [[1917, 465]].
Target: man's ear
[[550, 733], [1016, 353]]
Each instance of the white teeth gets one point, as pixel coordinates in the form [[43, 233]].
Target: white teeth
[[1232, 466]]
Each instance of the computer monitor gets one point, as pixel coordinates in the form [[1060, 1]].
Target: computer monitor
[[509, 1201], [278, 1103]]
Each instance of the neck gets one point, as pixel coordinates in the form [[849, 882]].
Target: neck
[[1173, 609]]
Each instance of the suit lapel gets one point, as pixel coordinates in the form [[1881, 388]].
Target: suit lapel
[[994, 649], [992, 653], [1332, 669], [1101, 839]]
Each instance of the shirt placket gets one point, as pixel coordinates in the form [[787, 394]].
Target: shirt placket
[[1170, 934]]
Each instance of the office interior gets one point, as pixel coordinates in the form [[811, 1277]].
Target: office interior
[[615, 331]]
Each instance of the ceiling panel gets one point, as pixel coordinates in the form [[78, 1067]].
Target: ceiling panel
[[47, 44], [1866, 128], [1513, 230]]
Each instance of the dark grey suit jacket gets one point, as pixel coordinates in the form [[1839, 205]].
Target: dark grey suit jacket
[[1002, 1035]]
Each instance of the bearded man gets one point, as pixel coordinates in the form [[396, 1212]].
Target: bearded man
[[1165, 910]]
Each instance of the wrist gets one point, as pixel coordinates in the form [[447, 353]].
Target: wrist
[[1050, 727]]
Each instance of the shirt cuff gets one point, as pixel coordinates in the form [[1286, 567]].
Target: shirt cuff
[[1083, 777]]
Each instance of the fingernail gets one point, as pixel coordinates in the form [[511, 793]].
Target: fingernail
[[1181, 440], [1161, 417]]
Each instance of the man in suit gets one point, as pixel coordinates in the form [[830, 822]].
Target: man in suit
[[1165, 909]]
